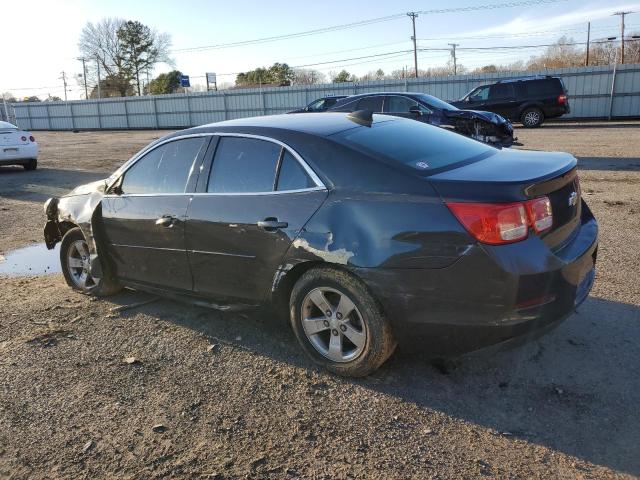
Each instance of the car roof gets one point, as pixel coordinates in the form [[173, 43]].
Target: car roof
[[320, 124]]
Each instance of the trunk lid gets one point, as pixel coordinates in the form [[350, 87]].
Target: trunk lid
[[518, 175], [13, 137]]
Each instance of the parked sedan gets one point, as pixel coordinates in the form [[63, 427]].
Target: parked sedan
[[17, 147], [485, 127], [368, 229]]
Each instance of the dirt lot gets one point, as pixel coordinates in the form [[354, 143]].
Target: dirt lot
[[564, 406]]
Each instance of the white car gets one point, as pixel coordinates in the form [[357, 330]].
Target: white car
[[17, 147]]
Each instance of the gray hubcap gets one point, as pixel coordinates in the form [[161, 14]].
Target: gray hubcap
[[333, 324], [78, 265], [532, 118]]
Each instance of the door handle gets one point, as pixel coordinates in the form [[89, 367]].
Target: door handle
[[166, 221], [271, 224]]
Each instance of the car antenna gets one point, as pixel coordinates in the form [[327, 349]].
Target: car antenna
[[361, 117]]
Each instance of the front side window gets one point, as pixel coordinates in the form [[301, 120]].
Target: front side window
[[479, 95], [397, 104], [317, 106], [292, 176], [244, 165], [164, 169]]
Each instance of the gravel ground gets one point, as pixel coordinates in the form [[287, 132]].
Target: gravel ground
[[231, 396]]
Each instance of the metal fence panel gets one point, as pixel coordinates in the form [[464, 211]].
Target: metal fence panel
[[589, 95]]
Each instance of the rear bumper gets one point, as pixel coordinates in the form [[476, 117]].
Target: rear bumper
[[490, 295], [18, 154]]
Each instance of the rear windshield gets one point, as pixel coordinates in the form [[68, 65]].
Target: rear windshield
[[436, 102], [415, 144]]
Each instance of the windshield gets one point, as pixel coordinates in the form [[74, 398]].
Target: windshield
[[417, 145], [7, 126], [436, 102]]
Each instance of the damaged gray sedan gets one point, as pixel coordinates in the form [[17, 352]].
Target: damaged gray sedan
[[368, 230]]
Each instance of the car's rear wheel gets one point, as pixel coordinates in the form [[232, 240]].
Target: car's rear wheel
[[338, 322], [532, 117], [75, 261], [31, 164]]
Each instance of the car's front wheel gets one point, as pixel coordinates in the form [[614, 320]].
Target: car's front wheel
[[75, 261], [338, 322], [532, 117]]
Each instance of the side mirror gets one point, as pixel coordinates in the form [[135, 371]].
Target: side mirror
[[306, 109], [415, 110]]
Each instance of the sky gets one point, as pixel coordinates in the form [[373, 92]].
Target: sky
[[44, 44]]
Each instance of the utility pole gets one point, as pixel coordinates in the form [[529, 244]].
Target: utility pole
[[98, 65], [64, 81], [413, 16], [84, 76], [586, 62], [622, 14], [453, 54]]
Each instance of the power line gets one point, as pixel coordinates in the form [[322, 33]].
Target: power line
[[364, 23]]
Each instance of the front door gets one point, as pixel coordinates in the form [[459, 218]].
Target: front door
[[258, 197], [144, 219], [502, 100]]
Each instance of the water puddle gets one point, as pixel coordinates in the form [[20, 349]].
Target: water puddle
[[29, 261]]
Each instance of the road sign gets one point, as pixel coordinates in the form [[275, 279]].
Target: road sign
[[211, 78], [184, 81]]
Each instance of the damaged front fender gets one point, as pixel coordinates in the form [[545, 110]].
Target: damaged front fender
[[80, 208], [487, 127]]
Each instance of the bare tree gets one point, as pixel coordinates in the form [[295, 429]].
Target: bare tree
[[111, 44], [308, 77], [99, 43]]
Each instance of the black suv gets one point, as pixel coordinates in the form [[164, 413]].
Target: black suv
[[527, 100]]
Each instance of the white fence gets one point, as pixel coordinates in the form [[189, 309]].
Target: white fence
[[594, 92]]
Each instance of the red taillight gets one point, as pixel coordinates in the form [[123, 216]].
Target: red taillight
[[493, 223], [31, 138], [540, 216], [562, 99], [23, 138], [500, 223]]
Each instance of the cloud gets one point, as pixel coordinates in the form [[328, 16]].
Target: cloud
[[525, 23]]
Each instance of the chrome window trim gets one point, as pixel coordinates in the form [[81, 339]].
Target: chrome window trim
[[295, 154], [123, 169]]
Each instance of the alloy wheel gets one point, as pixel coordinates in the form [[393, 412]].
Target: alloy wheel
[[333, 324], [532, 118], [78, 265]]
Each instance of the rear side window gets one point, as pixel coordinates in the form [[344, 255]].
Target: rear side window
[[542, 88], [243, 165], [164, 169], [292, 176], [414, 144], [370, 103], [501, 91]]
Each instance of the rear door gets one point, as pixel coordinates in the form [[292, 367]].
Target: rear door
[[144, 221], [253, 199]]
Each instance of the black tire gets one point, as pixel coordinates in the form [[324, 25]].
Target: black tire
[[380, 342], [31, 164], [532, 117], [99, 287]]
